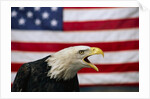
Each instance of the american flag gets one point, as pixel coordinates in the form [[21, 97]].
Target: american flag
[[37, 32]]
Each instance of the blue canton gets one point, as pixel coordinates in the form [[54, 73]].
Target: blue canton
[[36, 18]]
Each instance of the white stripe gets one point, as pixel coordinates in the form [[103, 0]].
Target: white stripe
[[103, 78], [21, 57], [78, 37], [13, 75], [100, 14], [108, 78], [109, 57]]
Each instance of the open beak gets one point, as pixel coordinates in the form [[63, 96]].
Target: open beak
[[93, 51]]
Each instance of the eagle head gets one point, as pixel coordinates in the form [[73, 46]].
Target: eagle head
[[67, 62]]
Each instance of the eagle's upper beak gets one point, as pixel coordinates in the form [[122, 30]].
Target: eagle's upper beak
[[93, 51]]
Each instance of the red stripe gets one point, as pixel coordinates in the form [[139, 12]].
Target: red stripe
[[91, 85], [101, 25], [15, 66], [88, 8], [102, 68], [112, 68], [53, 47], [124, 84]]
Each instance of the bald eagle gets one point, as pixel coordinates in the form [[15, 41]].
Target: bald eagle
[[56, 72]]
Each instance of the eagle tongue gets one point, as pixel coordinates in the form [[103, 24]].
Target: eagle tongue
[[86, 59]]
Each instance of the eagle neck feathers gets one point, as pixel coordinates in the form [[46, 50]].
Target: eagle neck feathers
[[61, 66]]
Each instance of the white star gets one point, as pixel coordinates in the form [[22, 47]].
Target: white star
[[29, 14], [36, 8], [54, 8], [21, 21], [37, 21], [53, 22], [14, 13], [21, 8], [45, 15]]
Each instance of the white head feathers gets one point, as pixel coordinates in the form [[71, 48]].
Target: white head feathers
[[66, 63]]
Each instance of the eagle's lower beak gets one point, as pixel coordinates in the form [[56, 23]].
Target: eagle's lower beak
[[93, 51]]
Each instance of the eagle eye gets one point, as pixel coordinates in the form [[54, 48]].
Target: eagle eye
[[81, 52]]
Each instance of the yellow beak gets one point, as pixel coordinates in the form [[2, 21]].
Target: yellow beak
[[94, 51]]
